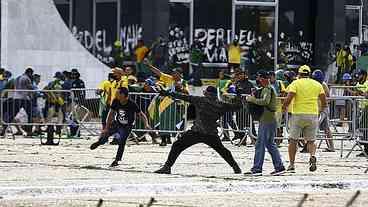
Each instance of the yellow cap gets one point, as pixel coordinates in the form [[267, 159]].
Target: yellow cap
[[304, 69]]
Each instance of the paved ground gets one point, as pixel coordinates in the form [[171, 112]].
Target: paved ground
[[72, 175]]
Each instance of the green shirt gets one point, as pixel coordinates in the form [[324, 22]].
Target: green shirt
[[268, 99], [221, 84]]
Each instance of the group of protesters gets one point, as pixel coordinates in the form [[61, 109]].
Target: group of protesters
[[23, 92], [128, 90], [305, 101]]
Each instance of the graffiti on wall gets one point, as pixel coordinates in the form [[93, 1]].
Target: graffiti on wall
[[129, 36], [104, 50], [295, 50], [214, 41], [258, 47], [178, 45]]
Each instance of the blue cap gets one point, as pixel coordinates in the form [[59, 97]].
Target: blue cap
[[318, 76], [346, 77]]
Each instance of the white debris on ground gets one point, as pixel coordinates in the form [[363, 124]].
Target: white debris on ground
[[73, 175]]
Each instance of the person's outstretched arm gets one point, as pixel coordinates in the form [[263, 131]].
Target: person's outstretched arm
[[237, 105], [180, 96], [154, 69], [263, 101]]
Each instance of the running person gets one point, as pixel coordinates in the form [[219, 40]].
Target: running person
[[120, 120], [204, 130]]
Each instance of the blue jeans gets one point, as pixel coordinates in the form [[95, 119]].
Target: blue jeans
[[123, 133], [266, 139]]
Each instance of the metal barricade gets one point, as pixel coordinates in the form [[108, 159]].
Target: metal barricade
[[342, 128], [86, 110], [360, 124], [37, 108], [165, 115], [240, 123]]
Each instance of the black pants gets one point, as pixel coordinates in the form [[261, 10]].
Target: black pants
[[190, 138], [123, 133]]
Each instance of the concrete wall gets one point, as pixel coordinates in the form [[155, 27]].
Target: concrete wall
[[33, 34]]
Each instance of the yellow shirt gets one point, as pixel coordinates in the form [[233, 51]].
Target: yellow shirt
[[123, 82], [105, 86], [364, 89], [234, 54], [140, 53], [306, 97]]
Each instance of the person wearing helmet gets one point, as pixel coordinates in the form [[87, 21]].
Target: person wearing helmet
[[324, 122], [289, 76], [279, 74], [305, 93]]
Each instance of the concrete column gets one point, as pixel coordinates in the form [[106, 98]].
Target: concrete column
[[329, 29]]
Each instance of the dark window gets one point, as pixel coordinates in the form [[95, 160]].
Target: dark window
[[296, 32], [212, 27], [131, 26], [106, 34], [82, 25], [254, 29], [63, 8]]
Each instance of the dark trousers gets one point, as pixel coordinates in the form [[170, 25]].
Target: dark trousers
[[123, 133], [13, 106], [190, 138]]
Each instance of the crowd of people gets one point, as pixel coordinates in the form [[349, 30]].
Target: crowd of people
[[305, 93], [25, 98]]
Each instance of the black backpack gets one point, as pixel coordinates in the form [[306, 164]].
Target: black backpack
[[255, 110]]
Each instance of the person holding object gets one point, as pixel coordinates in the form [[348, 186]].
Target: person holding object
[[267, 128], [324, 121], [120, 120], [305, 93], [204, 130]]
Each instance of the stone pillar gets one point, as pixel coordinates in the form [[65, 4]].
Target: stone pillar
[[330, 30]]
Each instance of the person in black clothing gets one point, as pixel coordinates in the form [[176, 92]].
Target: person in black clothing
[[79, 97], [77, 83], [120, 120], [242, 86], [204, 130]]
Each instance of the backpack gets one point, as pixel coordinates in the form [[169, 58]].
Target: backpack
[[255, 110]]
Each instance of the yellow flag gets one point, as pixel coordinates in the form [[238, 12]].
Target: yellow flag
[[166, 102]]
